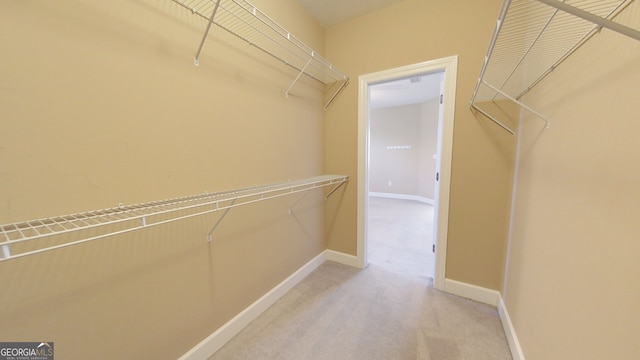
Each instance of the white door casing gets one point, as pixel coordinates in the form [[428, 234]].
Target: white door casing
[[443, 167]]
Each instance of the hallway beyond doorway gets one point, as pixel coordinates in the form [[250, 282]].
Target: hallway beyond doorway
[[401, 236]]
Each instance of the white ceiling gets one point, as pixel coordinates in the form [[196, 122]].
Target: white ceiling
[[413, 90], [332, 12]]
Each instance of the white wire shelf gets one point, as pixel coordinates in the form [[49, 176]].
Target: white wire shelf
[[34, 237], [532, 38], [242, 19]]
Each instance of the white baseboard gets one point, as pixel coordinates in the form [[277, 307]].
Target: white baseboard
[[473, 292], [510, 331], [493, 298], [341, 258], [207, 347], [421, 199]]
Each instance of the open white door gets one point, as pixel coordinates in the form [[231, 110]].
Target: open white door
[[436, 192]]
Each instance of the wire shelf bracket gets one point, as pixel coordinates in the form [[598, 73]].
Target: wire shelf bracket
[[243, 20], [196, 59], [297, 201], [215, 226], [532, 38], [21, 239]]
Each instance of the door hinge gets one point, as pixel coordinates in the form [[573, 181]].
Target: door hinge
[[437, 176], [433, 248], [441, 98]]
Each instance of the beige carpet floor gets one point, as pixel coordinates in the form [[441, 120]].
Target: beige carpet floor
[[381, 312]]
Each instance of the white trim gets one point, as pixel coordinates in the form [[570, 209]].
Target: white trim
[[510, 331], [418, 198], [363, 172], [207, 347], [342, 258], [493, 298], [473, 292], [450, 66]]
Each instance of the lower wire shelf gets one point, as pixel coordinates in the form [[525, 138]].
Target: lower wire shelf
[[18, 239]]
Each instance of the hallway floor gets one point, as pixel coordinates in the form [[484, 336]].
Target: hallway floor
[[401, 236]]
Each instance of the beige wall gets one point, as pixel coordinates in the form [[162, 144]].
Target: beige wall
[[410, 32], [100, 104], [394, 126], [572, 285], [411, 132]]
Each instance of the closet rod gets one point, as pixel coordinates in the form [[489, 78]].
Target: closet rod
[[521, 104], [24, 235], [532, 38], [624, 30], [492, 118]]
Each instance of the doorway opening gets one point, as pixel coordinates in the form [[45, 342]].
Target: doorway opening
[[441, 72], [403, 136]]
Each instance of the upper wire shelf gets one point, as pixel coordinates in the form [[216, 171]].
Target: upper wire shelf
[[532, 38], [34, 237], [244, 20]]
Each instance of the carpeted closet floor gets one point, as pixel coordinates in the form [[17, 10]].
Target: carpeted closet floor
[[389, 310]]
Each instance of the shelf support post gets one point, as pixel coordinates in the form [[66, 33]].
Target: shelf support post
[[498, 122], [206, 33], [220, 219], [619, 28], [334, 189], [286, 94]]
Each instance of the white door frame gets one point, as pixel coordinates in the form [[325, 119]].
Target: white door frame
[[449, 65]]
